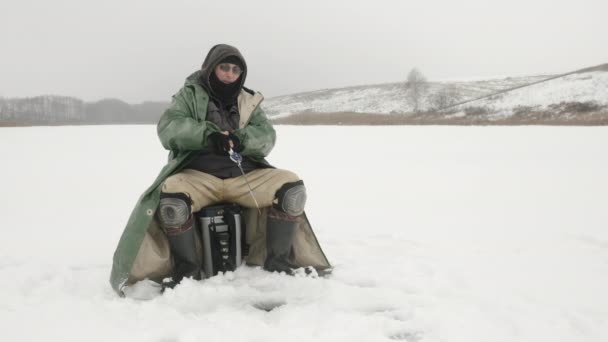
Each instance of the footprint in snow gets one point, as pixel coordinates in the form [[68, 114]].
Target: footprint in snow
[[268, 305]]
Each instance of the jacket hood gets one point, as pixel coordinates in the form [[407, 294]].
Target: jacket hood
[[215, 55]]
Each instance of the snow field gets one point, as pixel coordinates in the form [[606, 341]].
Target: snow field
[[436, 234]]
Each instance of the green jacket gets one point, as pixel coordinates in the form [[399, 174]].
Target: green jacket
[[142, 251]]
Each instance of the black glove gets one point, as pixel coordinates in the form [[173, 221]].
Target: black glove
[[221, 142]]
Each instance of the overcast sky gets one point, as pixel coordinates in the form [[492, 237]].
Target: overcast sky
[[143, 50]]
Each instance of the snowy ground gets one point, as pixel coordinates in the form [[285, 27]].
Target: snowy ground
[[436, 234]]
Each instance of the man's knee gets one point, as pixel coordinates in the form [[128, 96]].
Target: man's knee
[[174, 209], [288, 176], [173, 184], [291, 198]]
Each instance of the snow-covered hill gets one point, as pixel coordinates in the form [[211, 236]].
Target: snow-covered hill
[[580, 88], [469, 234], [590, 86]]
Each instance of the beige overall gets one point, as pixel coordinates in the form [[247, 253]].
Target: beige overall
[[205, 189]]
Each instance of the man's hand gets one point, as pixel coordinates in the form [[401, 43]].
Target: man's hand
[[222, 142]]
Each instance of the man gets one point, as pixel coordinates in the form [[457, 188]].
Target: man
[[212, 115]]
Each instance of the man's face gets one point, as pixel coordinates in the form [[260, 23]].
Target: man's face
[[228, 72]]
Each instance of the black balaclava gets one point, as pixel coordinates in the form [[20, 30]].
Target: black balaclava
[[226, 93]]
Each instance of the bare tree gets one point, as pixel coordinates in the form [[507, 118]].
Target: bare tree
[[444, 98], [416, 85]]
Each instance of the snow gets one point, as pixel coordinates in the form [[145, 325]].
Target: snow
[[581, 87], [436, 234], [391, 98]]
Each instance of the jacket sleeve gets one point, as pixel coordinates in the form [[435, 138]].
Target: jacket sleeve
[[258, 136], [178, 130]]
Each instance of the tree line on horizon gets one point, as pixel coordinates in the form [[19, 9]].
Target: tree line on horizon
[[426, 103], [61, 110]]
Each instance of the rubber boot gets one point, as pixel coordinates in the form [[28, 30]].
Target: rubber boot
[[186, 262], [280, 231]]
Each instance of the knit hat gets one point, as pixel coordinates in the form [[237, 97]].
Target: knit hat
[[233, 60]]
